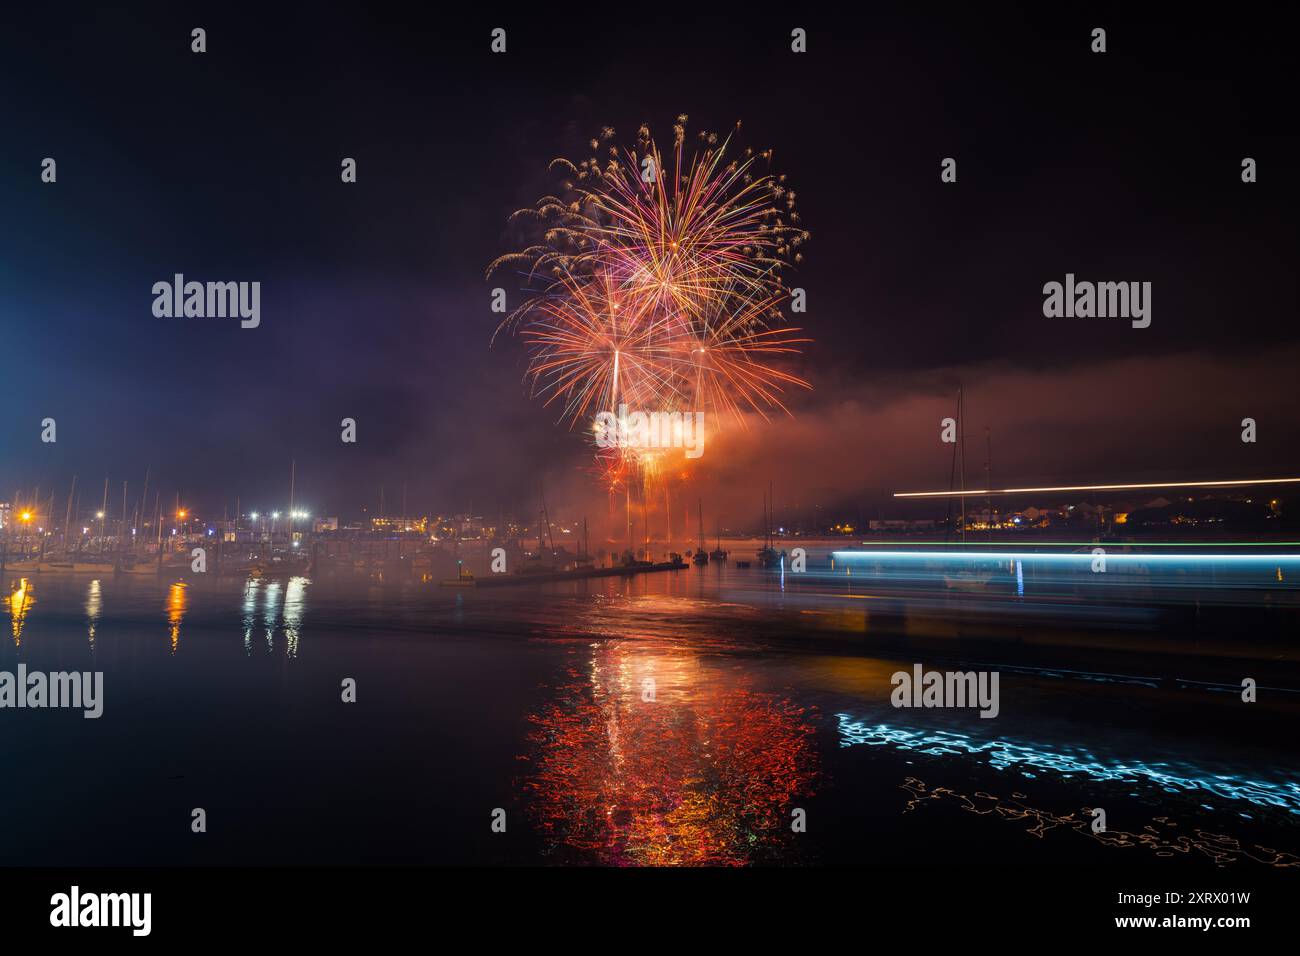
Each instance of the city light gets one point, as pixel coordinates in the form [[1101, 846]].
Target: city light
[[1126, 487]]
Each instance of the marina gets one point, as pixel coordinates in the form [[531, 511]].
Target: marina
[[589, 441]]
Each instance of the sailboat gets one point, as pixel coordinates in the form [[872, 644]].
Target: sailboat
[[768, 557], [701, 557], [536, 563], [717, 554], [584, 560], [966, 579]]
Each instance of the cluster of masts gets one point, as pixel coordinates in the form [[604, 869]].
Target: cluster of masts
[[33, 523]]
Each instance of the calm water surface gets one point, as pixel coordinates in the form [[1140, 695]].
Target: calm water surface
[[768, 695]]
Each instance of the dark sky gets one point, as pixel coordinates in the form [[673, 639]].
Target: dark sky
[[225, 166]]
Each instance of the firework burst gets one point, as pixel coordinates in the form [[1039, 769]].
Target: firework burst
[[654, 279]]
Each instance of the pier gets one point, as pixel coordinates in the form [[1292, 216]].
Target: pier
[[576, 574]]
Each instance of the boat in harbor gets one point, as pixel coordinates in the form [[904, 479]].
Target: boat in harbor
[[463, 578], [701, 557], [630, 560], [75, 565], [277, 568], [22, 567], [539, 562], [768, 556], [717, 554], [624, 570]]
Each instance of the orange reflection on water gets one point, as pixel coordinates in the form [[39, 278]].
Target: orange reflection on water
[[177, 602], [705, 773], [20, 601], [1161, 835]]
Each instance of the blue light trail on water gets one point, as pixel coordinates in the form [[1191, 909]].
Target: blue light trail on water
[[1031, 760]]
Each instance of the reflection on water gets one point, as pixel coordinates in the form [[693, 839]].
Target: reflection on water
[[250, 615], [1064, 761], [94, 609], [295, 603], [1161, 835], [679, 719], [269, 604], [290, 614], [647, 756], [177, 602], [18, 605]]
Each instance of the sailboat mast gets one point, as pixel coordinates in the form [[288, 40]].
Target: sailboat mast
[[103, 516], [668, 513], [293, 475], [988, 480], [961, 441], [67, 515], [771, 506], [765, 519], [141, 515], [547, 518]]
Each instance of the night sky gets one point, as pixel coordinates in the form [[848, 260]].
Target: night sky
[[225, 166]]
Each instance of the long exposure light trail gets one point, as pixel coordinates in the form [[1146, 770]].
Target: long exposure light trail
[[1016, 755], [1084, 557], [1233, 483]]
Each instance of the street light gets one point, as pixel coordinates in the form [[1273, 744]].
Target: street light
[[26, 519]]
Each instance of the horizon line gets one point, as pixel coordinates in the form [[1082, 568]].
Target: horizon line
[[1236, 482]]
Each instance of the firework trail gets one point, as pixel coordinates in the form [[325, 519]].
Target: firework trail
[[654, 279]]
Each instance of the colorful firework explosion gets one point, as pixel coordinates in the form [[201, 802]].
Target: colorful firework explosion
[[654, 281], [657, 282]]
